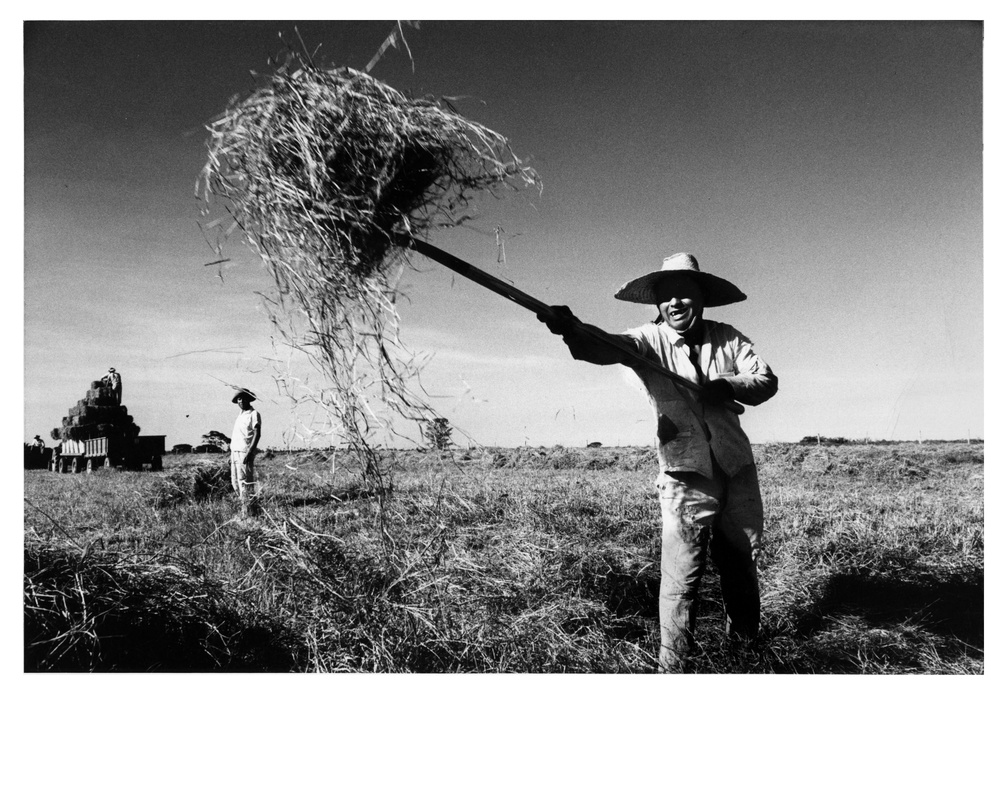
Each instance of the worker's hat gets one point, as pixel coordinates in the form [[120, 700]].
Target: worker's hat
[[717, 291], [244, 393]]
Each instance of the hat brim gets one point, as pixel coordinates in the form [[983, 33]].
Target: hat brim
[[245, 393], [717, 291]]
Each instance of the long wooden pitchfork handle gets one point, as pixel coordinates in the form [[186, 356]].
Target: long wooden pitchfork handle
[[524, 299]]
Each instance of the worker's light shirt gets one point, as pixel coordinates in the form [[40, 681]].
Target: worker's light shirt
[[688, 433], [245, 430]]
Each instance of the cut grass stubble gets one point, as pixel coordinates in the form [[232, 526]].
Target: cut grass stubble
[[546, 565]]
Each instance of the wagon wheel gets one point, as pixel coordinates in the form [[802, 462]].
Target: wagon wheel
[[75, 466], [90, 465]]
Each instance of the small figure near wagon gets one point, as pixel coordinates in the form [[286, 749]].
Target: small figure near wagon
[[243, 450], [36, 454], [709, 495], [113, 380]]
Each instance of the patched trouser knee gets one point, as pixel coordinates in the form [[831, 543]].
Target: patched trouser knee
[[689, 503]]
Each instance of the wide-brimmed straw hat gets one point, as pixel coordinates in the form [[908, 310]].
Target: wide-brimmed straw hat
[[717, 291], [244, 393]]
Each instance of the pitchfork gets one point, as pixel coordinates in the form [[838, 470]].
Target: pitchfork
[[524, 299]]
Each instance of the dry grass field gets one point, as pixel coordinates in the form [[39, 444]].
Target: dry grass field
[[521, 560]]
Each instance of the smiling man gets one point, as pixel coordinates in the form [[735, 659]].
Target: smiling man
[[709, 494]]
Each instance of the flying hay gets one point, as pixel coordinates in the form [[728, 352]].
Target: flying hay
[[323, 169], [327, 173]]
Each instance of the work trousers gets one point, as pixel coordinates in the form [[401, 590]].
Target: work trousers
[[242, 476], [724, 516]]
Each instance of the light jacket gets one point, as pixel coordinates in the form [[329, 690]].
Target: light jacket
[[689, 433]]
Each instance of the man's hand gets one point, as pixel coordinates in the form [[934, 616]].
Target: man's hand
[[717, 392], [560, 320]]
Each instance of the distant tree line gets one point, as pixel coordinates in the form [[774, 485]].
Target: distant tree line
[[211, 442], [836, 440]]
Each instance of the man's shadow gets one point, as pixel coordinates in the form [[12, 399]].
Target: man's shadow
[[632, 599], [951, 607]]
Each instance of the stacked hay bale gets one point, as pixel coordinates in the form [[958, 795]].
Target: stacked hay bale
[[98, 414]]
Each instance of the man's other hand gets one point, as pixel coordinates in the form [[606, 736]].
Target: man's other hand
[[717, 392]]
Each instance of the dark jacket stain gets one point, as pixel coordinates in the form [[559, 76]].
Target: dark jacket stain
[[666, 430]]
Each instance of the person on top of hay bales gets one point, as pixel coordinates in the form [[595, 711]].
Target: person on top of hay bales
[[709, 494], [243, 450], [37, 443], [113, 380]]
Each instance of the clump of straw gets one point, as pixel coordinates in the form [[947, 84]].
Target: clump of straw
[[203, 481], [321, 168], [327, 173]]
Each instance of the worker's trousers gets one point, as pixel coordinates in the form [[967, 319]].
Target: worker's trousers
[[242, 476], [722, 515]]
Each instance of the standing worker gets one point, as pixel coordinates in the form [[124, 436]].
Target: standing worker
[[243, 450], [709, 494], [113, 381]]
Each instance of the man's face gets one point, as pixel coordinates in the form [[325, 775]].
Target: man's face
[[680, 302], [243, 402]]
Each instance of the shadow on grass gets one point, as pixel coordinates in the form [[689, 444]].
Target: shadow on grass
[[862, 625], [952, 607], [129, 640], [633, 601], [94, 613], [325, 497], [874, 624]]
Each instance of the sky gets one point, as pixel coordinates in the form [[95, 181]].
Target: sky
[[832, 170]]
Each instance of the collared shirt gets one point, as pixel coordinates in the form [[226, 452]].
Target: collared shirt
[[245, 430], [689, 433], [113, 379]]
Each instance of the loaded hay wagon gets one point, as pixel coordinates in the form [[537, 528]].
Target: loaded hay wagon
[[110, 451], [99, 432]]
